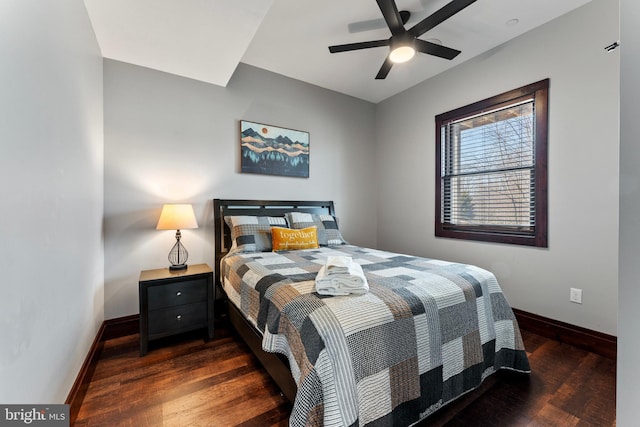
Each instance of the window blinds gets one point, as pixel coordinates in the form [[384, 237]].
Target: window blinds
[[488, 168]]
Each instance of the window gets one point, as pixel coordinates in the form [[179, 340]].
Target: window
[[491, 163]]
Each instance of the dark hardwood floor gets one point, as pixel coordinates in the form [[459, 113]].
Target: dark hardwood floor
[[185, 381]]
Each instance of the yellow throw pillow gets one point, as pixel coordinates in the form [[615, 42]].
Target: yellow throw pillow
[[287, 239]]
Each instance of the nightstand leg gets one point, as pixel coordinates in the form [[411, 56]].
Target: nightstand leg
[[211, 299]]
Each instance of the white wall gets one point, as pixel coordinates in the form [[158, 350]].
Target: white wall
[[51, 166], [628, 385], [583, 166], [171, 139]]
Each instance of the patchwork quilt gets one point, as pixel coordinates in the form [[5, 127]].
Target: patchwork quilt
[[427, 332]]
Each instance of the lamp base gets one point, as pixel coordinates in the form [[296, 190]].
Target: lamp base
[[178, 255]]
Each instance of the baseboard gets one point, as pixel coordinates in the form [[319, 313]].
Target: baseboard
[[595, 342], [121, 327], [110, 329], [81, 384]]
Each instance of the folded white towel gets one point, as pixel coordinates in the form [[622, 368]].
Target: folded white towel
[[336, 264], [341, 276]]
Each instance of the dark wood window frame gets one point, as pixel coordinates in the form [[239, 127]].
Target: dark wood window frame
[[533, 236]]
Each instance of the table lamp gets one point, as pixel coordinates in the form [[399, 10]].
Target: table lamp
[[177, 217]]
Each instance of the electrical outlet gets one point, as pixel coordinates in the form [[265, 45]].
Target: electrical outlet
[[575, 295]]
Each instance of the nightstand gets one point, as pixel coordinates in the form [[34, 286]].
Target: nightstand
[[173, 302]]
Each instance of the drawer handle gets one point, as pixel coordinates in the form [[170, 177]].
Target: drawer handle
[[179, 317], [178, 293]]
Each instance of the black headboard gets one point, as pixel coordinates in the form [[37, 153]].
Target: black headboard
[[227, 207]]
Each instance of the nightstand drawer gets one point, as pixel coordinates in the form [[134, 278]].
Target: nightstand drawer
[[174, 319], [179, 293]]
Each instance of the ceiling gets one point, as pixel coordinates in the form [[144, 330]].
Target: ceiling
[[206, 39]]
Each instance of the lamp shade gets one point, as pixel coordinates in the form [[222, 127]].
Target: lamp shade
[[402, 54], [177, 217], [402, 48]]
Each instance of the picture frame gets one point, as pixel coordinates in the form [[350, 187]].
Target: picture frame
[[273, 150]]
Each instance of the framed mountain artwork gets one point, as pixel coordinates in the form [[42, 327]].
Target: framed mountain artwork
[[272, 150]]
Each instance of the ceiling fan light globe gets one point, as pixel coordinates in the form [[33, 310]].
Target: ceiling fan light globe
[[402, 54]]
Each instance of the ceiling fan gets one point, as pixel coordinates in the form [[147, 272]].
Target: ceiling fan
[[404, 43]]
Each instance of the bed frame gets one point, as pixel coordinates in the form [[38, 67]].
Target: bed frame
[[276, 365]]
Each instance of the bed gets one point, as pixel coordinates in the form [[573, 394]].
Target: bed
[[427, 331]]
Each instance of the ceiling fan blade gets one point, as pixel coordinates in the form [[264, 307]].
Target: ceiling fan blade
[[442, 14], [435, 49], [356, 46], [384, 70], [392, 16]]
